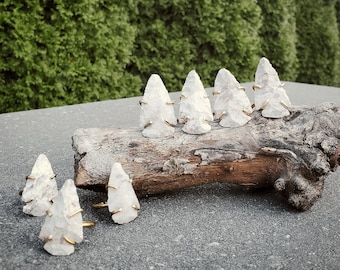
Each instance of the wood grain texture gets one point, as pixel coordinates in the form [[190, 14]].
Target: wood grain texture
[[294, 155]]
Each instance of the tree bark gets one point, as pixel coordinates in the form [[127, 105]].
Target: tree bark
[[294, 155]]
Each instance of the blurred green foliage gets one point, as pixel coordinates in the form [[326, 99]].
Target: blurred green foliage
[[56, 52]]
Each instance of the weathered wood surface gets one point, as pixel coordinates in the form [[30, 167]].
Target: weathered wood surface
[[294, 155]]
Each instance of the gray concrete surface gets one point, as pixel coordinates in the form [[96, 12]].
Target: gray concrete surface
[[210, 227]]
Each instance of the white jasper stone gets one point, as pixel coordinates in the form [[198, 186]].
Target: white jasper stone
[[157, 110], [40, 188], [195, 109], [64, 222], [122, 200], [231, 104], [270, 96]]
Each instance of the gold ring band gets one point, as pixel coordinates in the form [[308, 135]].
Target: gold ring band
[[148, 124], [216, 92], [117, 211], [256, 86], [75, 212], [48, 238], [68, 240], [112, 186], [284, 105], [264, 104], [99, 205], [246, 112], [221, 116], [88, 223], [169, 123], [135, 207]]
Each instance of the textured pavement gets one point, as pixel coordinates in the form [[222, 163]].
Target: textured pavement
[[209, 227]]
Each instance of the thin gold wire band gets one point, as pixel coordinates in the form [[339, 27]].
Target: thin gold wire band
[[169, 123], [75, 212], [112, 186], [68, 240], [99, 205], [148, 124], [284, 105], [170, 102], [246, 112], [117, 211], [53, 176], [216, 92], [135, 207], [48, 238], [30, 177], [88, 223], [256, 86], [264, 104], [221, 116]]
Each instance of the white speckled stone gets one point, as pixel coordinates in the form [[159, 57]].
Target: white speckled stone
[[40, 188], [156, 106], [271, 97], [231, 104], [122, 200], [195, 109], [60, 223]]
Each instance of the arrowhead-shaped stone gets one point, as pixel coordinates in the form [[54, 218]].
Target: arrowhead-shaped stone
[[40, 188], [63, 225], [231, 104], [157, 111], [122, 200], [270, 96], [195, 109]]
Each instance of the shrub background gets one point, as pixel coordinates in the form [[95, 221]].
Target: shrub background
[[56, 52]]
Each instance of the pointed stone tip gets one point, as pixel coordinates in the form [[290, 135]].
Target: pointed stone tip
[[42, 159], [265, 67], [155, 77], [192, 80], [154, 81], [117, 166], [264, 60], [225, 75], [69, 187], [193, 75]]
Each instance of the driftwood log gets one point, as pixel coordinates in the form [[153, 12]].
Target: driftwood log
[[294, 155]]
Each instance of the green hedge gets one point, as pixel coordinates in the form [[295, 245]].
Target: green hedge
[[278, 35], [56, 52], [177, 36], [318, 41]]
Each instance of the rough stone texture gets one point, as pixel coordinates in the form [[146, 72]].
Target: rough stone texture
[[40, 188], [256, 154], [194, 109], [231, 107], [270, 96], [64, 220], [157, 110], [122, 200]]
